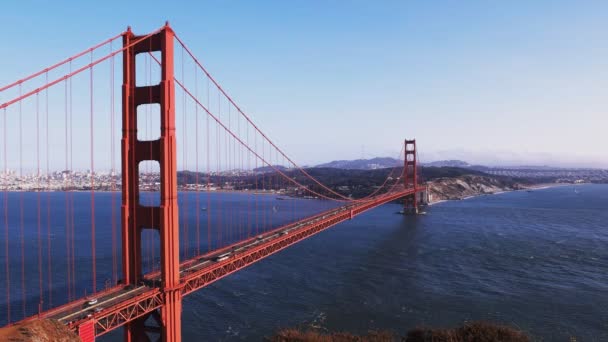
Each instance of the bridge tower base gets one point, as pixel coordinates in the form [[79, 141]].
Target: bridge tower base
[[135, 216]]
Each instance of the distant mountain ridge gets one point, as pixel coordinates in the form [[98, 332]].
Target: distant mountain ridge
[[270, 168], [384, 162], [363, 164], [448, 163]]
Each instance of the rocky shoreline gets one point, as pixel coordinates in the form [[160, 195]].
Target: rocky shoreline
[[462, 187]]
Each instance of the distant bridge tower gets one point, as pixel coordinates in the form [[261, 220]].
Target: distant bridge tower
[[410, 177], [136, 217]]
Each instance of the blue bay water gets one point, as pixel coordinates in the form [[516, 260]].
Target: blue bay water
[[534, 260]]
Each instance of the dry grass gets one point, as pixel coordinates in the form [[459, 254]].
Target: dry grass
[[470, 332], [38, 331], [295, 335]]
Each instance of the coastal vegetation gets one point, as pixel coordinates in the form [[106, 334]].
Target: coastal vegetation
[[469, 332]]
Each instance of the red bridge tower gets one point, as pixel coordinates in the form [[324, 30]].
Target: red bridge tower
[[136, 217], [410, 177]]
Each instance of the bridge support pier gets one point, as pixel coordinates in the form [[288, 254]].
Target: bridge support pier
[[135, 331], [171, 315], [86, 332], [410, 207], [162, 218]]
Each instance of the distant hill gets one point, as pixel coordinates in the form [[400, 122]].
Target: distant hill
[[448, 163], [385, 162], [363, 164], [270, 168]]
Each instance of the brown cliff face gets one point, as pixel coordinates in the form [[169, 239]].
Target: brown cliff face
[[468, 185], [42, 330]]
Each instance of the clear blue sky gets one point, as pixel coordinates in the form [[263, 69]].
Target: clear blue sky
[[515, 82]]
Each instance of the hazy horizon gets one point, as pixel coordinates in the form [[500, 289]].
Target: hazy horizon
[[507, 163]]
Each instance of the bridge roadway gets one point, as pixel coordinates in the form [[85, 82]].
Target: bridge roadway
[[121, 304]]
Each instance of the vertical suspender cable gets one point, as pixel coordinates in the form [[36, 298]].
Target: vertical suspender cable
[[250, 188], [273, 184], [229, 220], [48, 204], [6, 234], [255, 175], [67, 200], [112, 172], [294, 199], [208, 177], [21, 225], [263, 189], [240, 167], [71, 178], [219, 179], [222, 143], [198, 199], [93, 261], [226, 170], [235, 167], [39, 217]]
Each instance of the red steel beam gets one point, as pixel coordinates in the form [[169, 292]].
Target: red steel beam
[[127, 311]]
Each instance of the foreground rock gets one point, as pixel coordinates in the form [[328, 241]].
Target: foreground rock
[[38, 331], [470, 332]]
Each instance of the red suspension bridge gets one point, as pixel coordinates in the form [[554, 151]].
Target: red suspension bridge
[[96, 261]]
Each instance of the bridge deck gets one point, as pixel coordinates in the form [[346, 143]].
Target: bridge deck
[[121, 304]]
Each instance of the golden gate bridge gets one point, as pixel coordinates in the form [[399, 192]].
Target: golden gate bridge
[[174, 113]]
